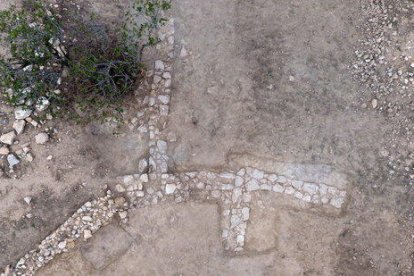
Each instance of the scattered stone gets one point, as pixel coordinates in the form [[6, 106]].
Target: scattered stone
[[297, 184], [123, 215], [157, 79], [119, 188], [21, 113], [128, 179], [170, 189], [4, 150], [62, 245], [278, 188], [29, 157], [143, 165], [159, 65], [310, 188], [257, 174], [374, 103], [144, 178], [42, 138], [253, 185], [119, 202], [165, 99], [239, 181], [42, 104], [27, 199], [18, 126], [87, 218], [87, 234], [183, 52], [337, 201], [166, 75], [12, 160], [246, 213], [8, 138]]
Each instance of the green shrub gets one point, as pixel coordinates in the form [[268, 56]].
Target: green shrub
[[75, 62]]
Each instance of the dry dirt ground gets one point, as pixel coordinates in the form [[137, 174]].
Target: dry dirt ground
[[263, 80]]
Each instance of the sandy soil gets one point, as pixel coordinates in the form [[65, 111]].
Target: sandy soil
[[264, 79]]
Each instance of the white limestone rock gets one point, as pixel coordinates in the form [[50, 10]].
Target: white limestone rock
[[21, 113], [252, 185], [27, 199], [159, 65], [278, 188], [297, 184], [183, 52], [170, 189], [12, 160], [4, 150], [246, 213], [87, 234], [289, 191], [239, 181], [337, 201], [42, 138], [42, 104], [310, 188], [8, 138], [18, 126], [165, 99], [257, 174]]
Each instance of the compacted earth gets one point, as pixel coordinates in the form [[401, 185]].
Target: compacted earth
[[269, 137]]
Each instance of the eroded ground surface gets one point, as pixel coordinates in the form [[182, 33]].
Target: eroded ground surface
[[271, 86]]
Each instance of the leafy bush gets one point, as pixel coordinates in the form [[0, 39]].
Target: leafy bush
[[64, 59]]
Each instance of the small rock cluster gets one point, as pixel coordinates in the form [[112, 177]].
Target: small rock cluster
[[9, 144], [87, 220]]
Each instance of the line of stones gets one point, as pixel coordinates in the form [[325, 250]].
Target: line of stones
[[232, 190], [159, 105], [88, 219]]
